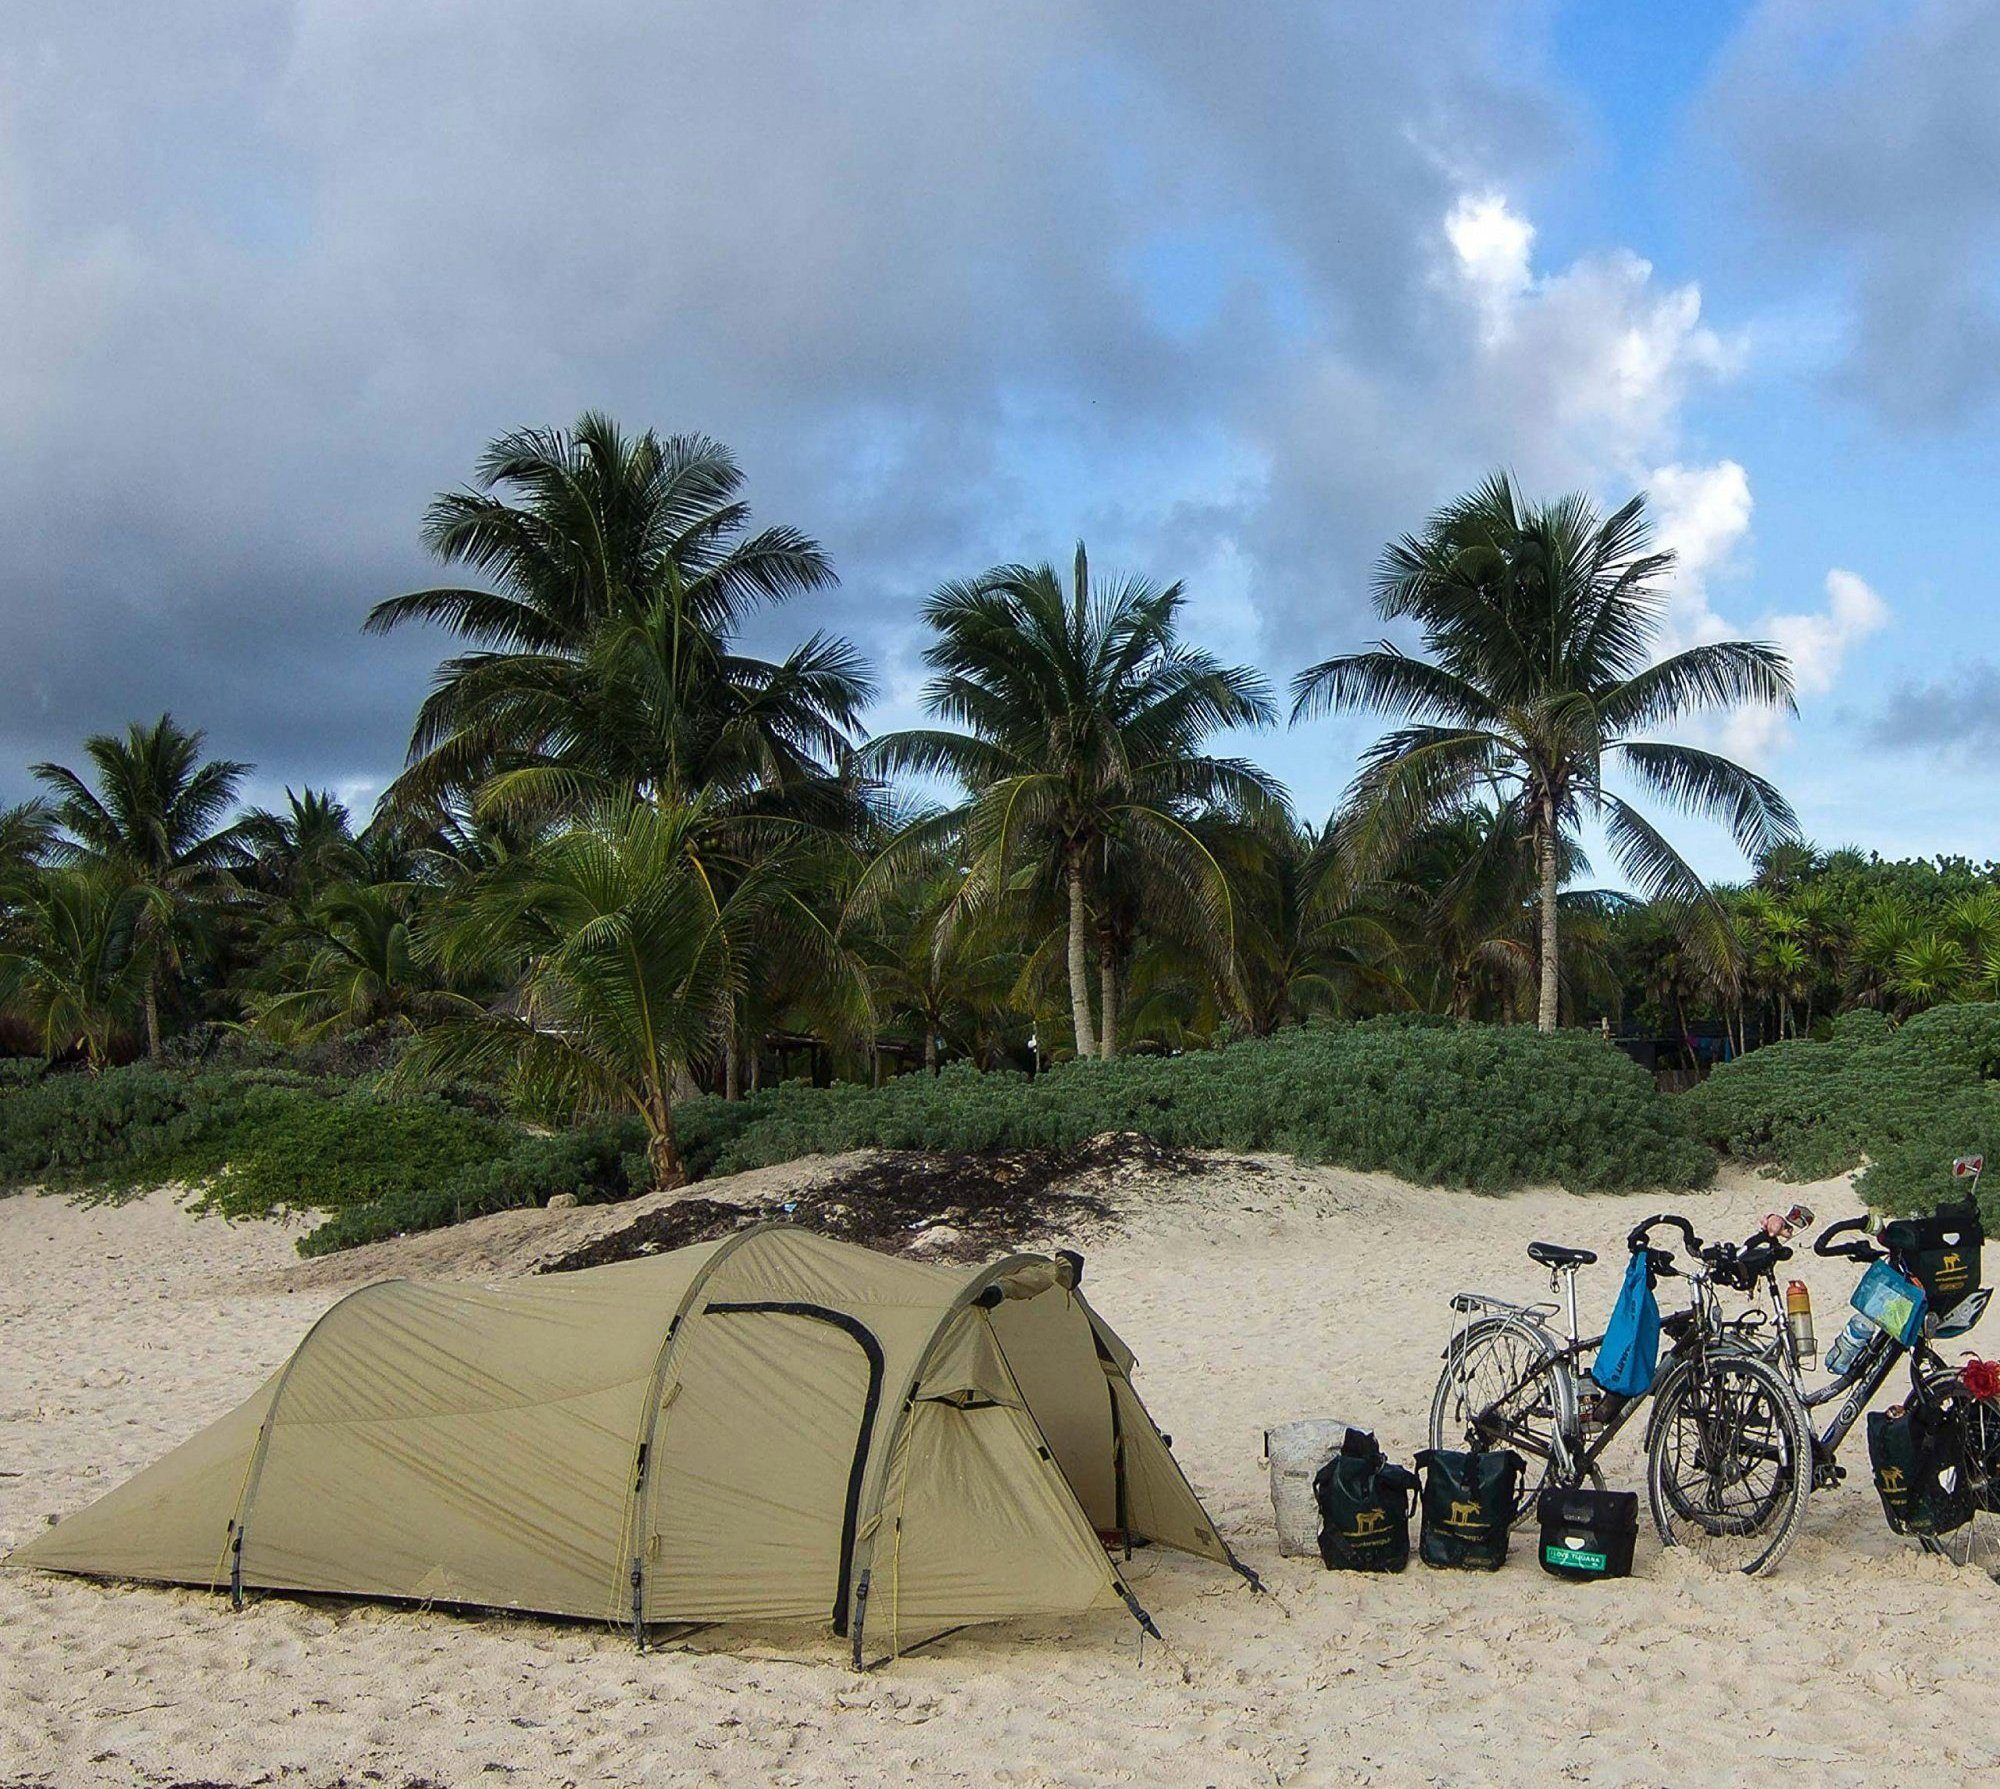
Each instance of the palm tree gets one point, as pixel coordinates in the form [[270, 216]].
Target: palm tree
[[1538, 624], [1973, 923], [351, 963], [297, 853], [75, 961], [27, 832], [622, 953], [1308, 939], [1930, 969], [157, 817], [603, 665], [947, 971], [1462, 889], [1083, 718], [1884, 930]]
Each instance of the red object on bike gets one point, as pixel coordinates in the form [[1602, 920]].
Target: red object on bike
[[1981, 1378]]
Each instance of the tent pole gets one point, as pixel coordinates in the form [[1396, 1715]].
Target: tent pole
[[1139, 1615], [1243, 1571], [638, 1603], [860, 1614]]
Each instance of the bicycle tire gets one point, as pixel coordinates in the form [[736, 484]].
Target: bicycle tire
[[1495, 1352], [1729, 1460]]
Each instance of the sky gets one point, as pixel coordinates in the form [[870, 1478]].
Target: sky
[[1235, 294]]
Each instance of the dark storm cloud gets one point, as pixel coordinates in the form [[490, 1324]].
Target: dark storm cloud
[[1871, 136], [1957, 714], [271, 275]]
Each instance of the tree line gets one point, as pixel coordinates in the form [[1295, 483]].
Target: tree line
[[628, 859]]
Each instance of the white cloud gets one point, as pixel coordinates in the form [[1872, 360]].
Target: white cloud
[[1493, 245], [1701, 514], [1817, 643], [1704, 517], [1596, 359]]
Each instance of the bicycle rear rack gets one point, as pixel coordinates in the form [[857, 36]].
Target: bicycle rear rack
[[1484, 1304]]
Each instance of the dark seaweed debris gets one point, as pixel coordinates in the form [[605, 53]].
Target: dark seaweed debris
[[938, 1207]]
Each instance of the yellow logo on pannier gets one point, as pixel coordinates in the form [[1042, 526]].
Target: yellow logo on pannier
[[1889, 1481], [1367, 1522], [1466, 1515]]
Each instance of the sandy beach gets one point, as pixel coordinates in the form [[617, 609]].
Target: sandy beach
[[1252, 1297]]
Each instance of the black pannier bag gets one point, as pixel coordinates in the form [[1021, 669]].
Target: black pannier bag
[[1587, 1534], [1940, 1252], [1919, 1468], [1364, 1508], [1468, 1506]]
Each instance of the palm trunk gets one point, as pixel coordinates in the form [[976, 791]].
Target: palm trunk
[[1079, 962], [668, 1172], [1107, 982], [1545, 850], [153, 1012], [931, 1049]]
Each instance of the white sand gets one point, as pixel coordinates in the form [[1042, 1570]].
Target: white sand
[[1251, 1298]]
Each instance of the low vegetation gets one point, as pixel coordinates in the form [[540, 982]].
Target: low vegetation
[[1480, 1107], [1905, 1100]]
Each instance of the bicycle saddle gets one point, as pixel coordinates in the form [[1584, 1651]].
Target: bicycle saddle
[[1553, 1254]]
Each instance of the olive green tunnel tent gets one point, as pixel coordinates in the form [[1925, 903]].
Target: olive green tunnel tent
[[772, 1427]]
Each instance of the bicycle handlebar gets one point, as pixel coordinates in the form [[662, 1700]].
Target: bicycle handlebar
[[1847, 1251], [1637, 1238], [1737, 1264]]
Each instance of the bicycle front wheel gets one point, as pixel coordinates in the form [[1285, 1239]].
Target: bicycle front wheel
[[1504, 1386], [1729, 1461]]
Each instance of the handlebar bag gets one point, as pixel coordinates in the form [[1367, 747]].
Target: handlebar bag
[[1893, 1304], [1940, 1252], [1629, 1355], [1468, 1506], [1364, 1508], [1919, 1467]]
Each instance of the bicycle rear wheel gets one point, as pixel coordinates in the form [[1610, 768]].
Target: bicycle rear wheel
[[1503, 1385], [1977, 1541], [1729, 1461]]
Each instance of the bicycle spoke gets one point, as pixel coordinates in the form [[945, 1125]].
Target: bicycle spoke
[[1723, 1464]]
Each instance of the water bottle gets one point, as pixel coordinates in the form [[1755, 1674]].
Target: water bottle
[[1798, 1319], [1849, 1343]]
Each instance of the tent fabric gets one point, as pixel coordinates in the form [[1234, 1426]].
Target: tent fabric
[[771, 1427]]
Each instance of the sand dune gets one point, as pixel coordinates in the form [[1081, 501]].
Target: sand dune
[[1251, 1298]]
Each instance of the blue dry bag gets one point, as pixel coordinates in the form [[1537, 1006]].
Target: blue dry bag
[[1629, 1355]]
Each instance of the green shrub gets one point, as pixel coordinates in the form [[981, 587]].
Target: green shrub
[[597, 1163], [1915, 1173], [117, 1131], [1470, 1106], [20, 1071], [1905, 1100], [1481, 1107], [292, 1151]]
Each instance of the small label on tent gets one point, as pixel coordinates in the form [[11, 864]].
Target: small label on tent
[[1583, 1562]]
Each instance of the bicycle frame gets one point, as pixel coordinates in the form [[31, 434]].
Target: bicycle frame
[[1574, 1456], [1855, 1389]]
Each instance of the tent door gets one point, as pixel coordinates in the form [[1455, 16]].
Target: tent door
[[757, 1496]]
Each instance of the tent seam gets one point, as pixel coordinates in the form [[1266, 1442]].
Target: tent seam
[[253, 1476]]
